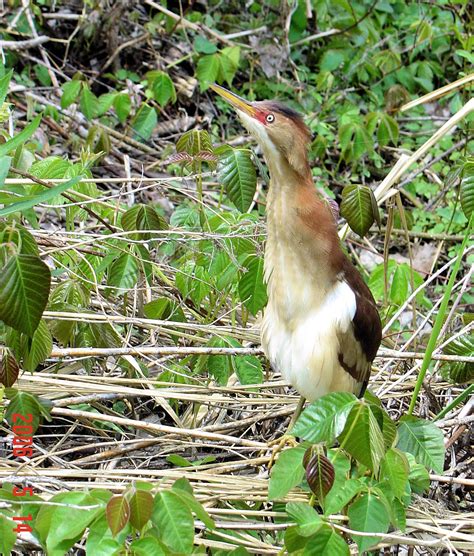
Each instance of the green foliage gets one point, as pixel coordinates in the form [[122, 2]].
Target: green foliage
[[359, 208], [237, 174]]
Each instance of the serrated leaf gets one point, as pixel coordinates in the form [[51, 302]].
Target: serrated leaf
[[460, 372], [423, 440], [287, 472], [71, 90], [237, 174], [24, 289], [118, 513], [145, 547], [174, 520], [23, 403], [142, 217], [368, 515], [39, 348], [357, 208], [320, 475], [252, 289], [324, 419], [248, 369]]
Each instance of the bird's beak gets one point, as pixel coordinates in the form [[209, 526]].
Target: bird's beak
[[237, 102]]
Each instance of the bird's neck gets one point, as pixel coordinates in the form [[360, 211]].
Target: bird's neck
[[302, 233]]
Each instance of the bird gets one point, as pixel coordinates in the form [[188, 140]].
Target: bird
[[321, 328]]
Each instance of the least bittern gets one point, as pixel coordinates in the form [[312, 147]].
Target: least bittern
[[321, 329]]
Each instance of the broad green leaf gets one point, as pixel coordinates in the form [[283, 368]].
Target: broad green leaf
[[5, 162], [332, 59], [340, 495], [394, 467], [42, 197], [252, 289], [193, 281], [57, 531], [71, 90], [184, 490], [203, 46], [369, 515], [207, 70], [325, 418], [20, 138], [400, 284], [306, 517], [123, 272], [362, 436], [467, 189], [141, 506], [142, 217], [24, 289], [162, 87], [174, 521], [7, 535], [358, 208], [423, 440], [326, 542], [220, 366], [118, 513], [4, 84], [100, 539], [24, 404], [248, 369], [229, 63], [287, 472], [354, 140], [460, 372], [40, 347], [14, 233], [144, 122], [105, 102], [237, 174], [122, 106], [419, 477], [89, 103], [146, 546]]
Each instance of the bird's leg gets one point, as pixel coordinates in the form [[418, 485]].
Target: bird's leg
[[287, 438]]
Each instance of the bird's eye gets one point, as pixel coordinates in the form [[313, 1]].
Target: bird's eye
[[270, 118]]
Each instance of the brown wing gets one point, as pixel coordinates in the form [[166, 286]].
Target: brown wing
[[359, 344]]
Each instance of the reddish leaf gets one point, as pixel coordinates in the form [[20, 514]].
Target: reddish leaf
[[141, 506], [9, 368], [118, 513]]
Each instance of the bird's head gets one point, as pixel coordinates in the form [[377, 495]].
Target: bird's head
[[278, 129]]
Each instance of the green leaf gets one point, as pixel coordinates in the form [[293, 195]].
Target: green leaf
[[142, 217], [237, 174], [354, 140], [287, 472], [100, 540], [252, 289], [308, 520], [7, 536], [122, 106], [89, 103], [400, 284], [182, 490], [71, 90], [369, 515], [174, 521], [248, 369], [24, 289], [229, 63], [57, 530], [423, 440], [332, 59], [362, 436], [24, 404], [203, 46], [146, 546], [327, 542], [324, 419], [194, 141], [459, 372], [395, 468], [20, 138], [419, 477], [104, 102], [123, 272], [42, 197], [358, 208], [5, 163], [467, 189], [340, 495], [144, 123], [40, 347], [207, 70], [4, 84], [141, 507], [162, 87]]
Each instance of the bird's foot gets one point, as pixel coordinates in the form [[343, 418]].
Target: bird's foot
[[278, 445]]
